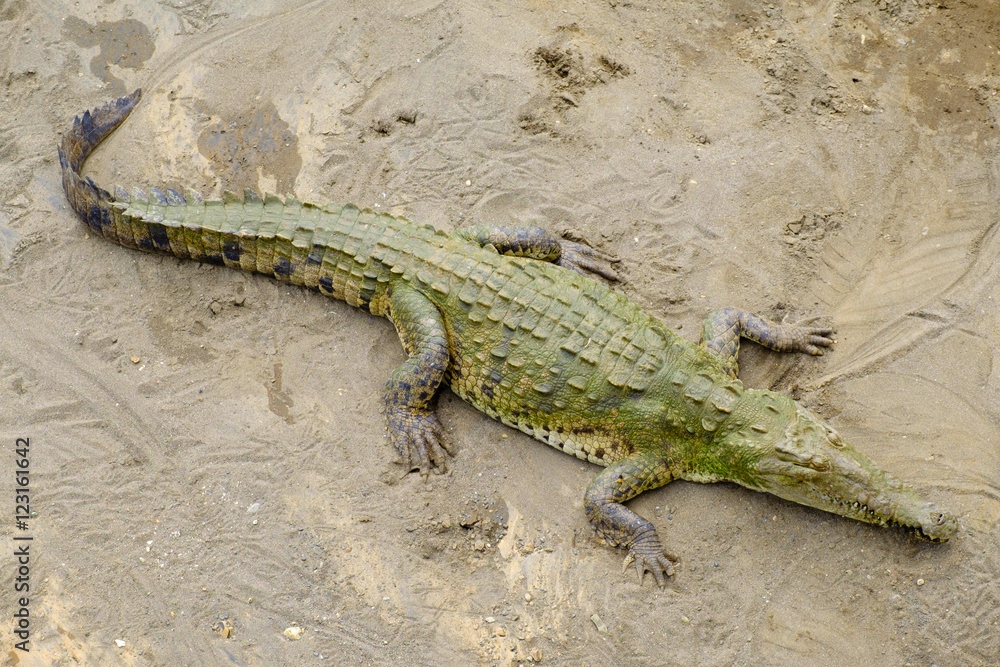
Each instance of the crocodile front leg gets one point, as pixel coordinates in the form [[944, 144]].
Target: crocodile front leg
[[722, 331], [414, 429], [620, 526], [540, 244]]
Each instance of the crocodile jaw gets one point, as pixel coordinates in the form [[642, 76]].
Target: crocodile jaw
[[859, 491], [809, 464]]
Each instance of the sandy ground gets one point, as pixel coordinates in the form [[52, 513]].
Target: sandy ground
[[207, 445]]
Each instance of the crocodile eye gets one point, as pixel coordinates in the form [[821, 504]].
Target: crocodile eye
[[834, 439], [793, 454], [818, 463]]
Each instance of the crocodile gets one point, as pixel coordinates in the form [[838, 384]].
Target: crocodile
[[516, 322]]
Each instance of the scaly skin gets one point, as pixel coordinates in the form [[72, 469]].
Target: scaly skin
[[493, 313]]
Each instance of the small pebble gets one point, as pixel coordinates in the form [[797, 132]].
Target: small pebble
[[135, 360], [224, 628], [920, 582], [293, 632], [120, 642], [598, 623]]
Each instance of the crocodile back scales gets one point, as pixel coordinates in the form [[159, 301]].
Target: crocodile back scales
[[541, 348]]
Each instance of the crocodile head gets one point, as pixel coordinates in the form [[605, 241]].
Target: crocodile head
[[807, 462]]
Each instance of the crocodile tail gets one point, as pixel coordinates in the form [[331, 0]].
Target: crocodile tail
[[91, 202]]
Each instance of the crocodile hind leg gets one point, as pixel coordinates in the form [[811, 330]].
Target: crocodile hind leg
[[540, 244], [621, 527], [722, 331], [414, 429]]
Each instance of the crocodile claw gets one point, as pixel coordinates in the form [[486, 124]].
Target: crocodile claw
[[817, 337], [582, 259], [647, 553], [420, 440], [810, 340]]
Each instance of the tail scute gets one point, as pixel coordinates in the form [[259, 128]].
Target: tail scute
[[90, 201], [90, 129]]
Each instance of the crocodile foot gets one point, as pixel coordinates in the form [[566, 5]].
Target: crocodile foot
[[647, 553], [582, 259], [810, 340], [419, 439]]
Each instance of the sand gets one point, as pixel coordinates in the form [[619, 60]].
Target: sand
[[206, 445]]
